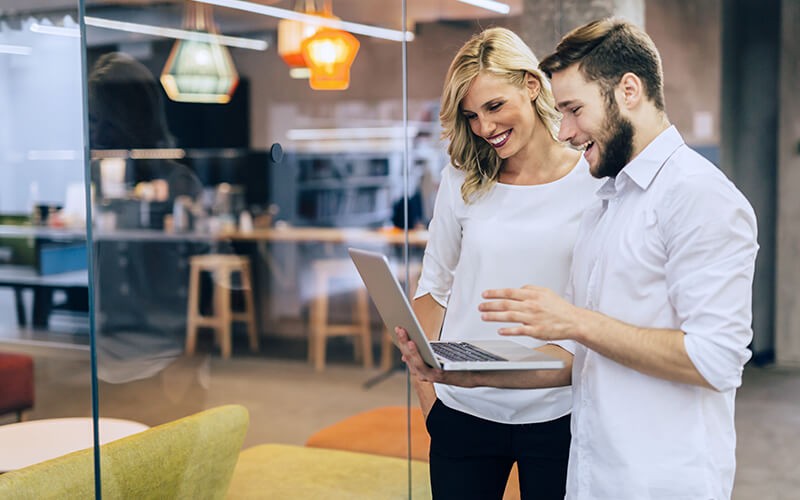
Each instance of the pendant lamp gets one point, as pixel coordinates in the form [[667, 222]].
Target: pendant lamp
[[199, 70], [291, 34], [329, 55]]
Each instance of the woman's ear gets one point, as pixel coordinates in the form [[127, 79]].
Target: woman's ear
[[534, 86]]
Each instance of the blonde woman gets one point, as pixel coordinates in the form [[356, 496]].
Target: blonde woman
[[506, 214]]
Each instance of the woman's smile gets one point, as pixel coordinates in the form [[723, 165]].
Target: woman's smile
[[499, 140]]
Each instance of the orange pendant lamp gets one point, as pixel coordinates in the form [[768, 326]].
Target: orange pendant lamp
[[199, 70], [291, 34], [329, 53]]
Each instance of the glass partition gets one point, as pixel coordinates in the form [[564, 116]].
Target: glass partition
[[228, 184], [181, 182]]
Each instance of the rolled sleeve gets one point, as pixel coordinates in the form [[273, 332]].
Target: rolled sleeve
[[711, 240]]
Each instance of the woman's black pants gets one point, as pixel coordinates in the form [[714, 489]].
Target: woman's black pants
[[471, 458]]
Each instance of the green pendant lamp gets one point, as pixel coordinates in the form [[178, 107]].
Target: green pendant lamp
[[199, 69]]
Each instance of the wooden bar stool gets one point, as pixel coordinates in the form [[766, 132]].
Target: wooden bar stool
[[325, 271], [221, 267]]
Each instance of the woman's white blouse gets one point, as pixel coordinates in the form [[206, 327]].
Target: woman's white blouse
[[511, 236]]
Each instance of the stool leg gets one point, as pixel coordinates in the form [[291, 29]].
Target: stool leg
[[365, 334], [387, 349], [222, 298], [318, 321], [192, 309], [249, 308], [358, 344]]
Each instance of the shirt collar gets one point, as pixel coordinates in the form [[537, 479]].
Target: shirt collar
[[608, 189], [644, 168]]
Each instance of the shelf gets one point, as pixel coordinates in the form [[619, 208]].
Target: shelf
[[41, 232], [353, 219], [349, 183]]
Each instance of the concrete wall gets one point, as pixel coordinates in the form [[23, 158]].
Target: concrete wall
[[787, 313], [686, 32], [750, 37], [543, 22]]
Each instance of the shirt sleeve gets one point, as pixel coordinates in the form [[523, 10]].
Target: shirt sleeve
[[444, 241], [710, 235]]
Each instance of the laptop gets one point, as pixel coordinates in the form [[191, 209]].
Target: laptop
[[395, 310]]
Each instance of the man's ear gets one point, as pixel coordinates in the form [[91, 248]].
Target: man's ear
[[534, 86], [632, 90]]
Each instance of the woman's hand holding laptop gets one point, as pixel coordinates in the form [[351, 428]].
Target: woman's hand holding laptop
[[511, 379], [425, 373]]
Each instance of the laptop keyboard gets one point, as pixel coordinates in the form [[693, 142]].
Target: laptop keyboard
[[462, 351]]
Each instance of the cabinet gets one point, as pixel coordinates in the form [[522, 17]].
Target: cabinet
[[344, 189]]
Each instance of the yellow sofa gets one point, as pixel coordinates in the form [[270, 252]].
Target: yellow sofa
[[198, 457], [277, 471], [192, 457]]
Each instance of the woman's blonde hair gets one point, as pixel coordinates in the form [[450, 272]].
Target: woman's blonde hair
[[500, 52]]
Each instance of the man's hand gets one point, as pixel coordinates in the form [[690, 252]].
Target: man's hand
[[544, 315], [540, 312]]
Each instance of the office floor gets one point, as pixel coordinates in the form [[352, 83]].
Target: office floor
[[288, 401], [768, 430]]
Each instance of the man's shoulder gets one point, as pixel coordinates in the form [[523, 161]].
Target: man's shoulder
[[689, 171], [689, 163], [692, 184]]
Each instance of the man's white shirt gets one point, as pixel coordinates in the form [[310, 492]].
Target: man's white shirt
[[671, 243]]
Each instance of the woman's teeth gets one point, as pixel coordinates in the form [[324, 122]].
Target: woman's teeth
[[498, 139]]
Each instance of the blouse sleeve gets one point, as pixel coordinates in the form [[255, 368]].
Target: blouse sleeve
[[444, 242]]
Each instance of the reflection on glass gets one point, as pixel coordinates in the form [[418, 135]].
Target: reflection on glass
[[139, 332]]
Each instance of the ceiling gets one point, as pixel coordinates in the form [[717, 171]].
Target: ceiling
[[384, 13]]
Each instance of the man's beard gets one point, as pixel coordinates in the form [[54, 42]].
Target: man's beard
[[618, 148]]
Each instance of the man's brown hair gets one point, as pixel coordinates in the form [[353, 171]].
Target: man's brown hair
[[606, 49]]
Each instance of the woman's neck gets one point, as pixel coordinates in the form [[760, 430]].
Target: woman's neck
[[548, 161]]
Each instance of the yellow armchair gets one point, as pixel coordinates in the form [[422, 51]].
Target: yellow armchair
[[192, 457]]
